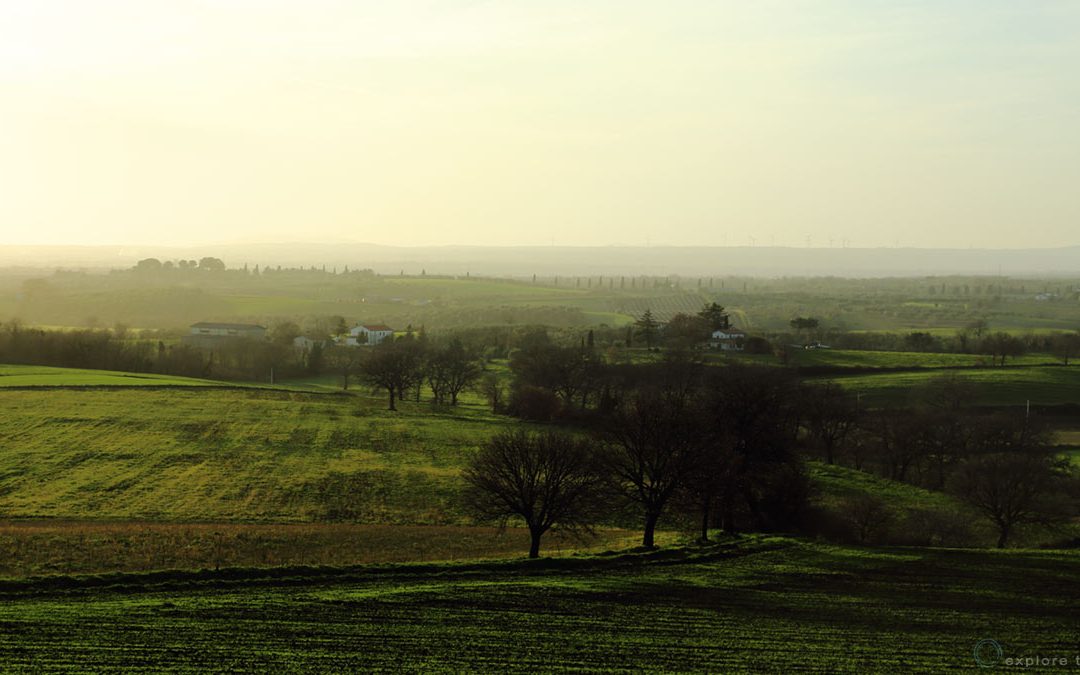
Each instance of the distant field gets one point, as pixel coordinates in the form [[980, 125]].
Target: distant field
[[46, 547], [850, 358], [44, 376], [759, 604], [995, 386]]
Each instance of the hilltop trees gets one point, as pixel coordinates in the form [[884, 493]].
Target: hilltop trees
[[548, 480]]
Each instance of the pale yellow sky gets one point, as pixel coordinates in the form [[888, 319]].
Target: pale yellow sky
[[920, 123]]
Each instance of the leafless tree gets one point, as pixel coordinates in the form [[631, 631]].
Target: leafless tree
[[1017, 488], [653, 440], [393, 365], [548, 480]]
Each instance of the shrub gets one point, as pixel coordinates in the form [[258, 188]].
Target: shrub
[[534, 403]]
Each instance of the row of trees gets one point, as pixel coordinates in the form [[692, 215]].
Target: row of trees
[[975, 338]]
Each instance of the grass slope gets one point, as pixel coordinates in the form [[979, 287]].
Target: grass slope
[[232, 455], [755, 605]]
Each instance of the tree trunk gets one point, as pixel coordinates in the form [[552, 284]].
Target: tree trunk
[[534, 546], [706, 506], [1003, 536], [345, 381], [727, 513], [391, 390], [650, 529]]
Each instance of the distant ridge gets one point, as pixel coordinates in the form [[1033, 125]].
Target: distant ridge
[[524, 261]]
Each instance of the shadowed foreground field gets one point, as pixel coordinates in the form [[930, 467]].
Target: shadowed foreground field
[[757, 604]]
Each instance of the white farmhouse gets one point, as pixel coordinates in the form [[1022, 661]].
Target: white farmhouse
[[368, 334], [728, 339]]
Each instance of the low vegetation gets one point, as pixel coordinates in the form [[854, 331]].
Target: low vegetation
[[764, 604]]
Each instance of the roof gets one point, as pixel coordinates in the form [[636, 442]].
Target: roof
[[377, 327], [229, 326]]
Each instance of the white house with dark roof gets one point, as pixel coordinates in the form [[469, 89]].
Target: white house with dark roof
[[368, 334], [728, 340]]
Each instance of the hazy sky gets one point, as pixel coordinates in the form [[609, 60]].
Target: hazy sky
[[923, 123]]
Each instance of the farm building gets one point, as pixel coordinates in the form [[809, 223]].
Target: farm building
[[368, 334], [208, 333], [306, 344], [728, 340]]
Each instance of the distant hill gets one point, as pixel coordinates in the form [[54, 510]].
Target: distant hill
[[580, 260]]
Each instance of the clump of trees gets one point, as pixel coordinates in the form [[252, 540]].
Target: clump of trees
[[400, 366], [719, 446]]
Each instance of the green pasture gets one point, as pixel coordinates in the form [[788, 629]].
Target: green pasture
[[1045, 385], [757, 604], [233, 455], [852, 358], [45, 376]]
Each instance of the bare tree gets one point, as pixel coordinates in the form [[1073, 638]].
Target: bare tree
[[491, 388], [450, 370], [392, 365], [344, 360], [1066, 346], [653, 441], [1016, 488], [829, 415], [548, 480]]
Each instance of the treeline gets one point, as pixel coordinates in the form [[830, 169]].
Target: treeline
[[976, 338], [726, 446], [230, 359]]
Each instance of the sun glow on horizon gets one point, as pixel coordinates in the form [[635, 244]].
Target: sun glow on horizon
[[513, 123]]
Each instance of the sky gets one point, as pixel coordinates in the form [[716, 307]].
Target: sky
[[937, 123]]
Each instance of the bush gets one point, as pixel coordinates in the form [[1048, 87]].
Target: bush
[[757, 345], [534, 403]]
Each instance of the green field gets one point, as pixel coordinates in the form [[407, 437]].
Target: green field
[[850, 358], [760, 604], [1045, 385], [45, 376], [232, 455]]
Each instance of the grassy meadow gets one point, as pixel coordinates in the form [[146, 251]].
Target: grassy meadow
[[232, 455], [1042, 385], [755, 604], [45, 376]]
